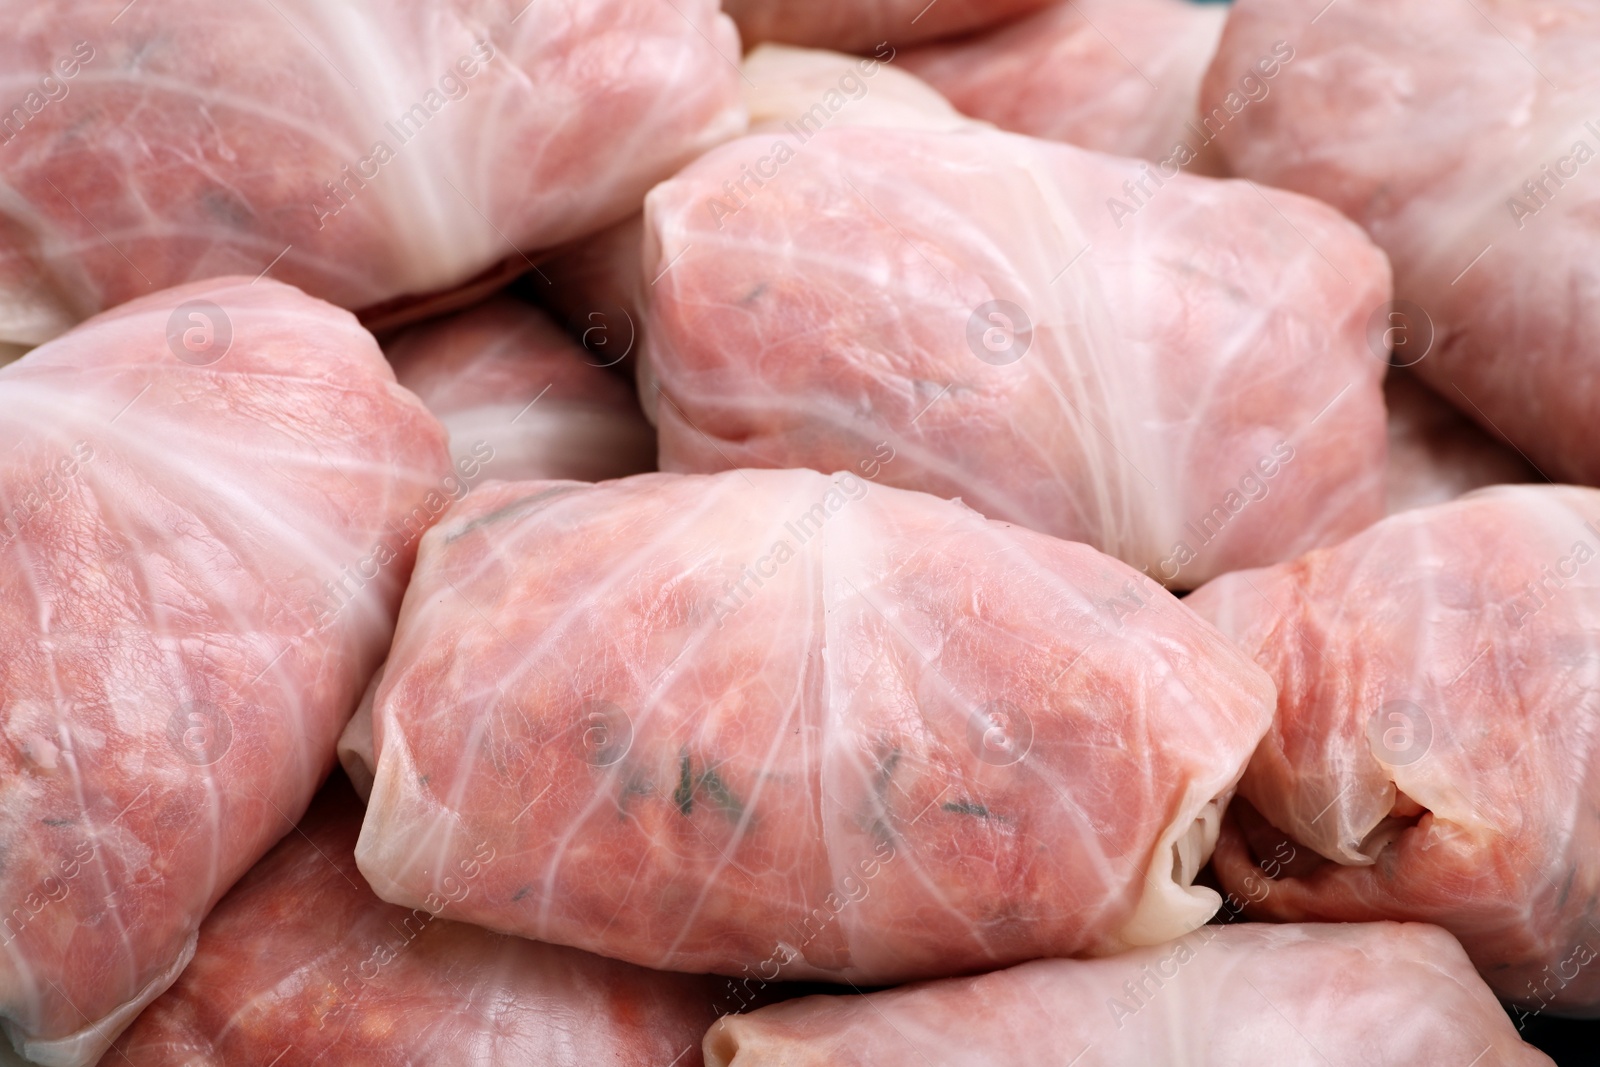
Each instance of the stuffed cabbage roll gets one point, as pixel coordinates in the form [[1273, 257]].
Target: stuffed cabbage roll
[[854, 26], [776, 724], [301, 961], [1461, 135], [212, 498], [1436, 453], [371, 152], [1250, 995], [1186, 385], [521, 399], [1436, 750], [1118, 76]]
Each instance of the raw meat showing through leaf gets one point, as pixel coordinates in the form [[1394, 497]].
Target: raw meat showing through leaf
[[775, 723], [1436, 453], [1118, 76], [1438, 732], [1252, 995], [300, 956], [211, 502], [1463, 136], [520, 399], [858, 25], [369, 151], [1185, 385]]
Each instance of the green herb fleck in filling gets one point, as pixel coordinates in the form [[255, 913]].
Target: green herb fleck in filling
[[965, 807]]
